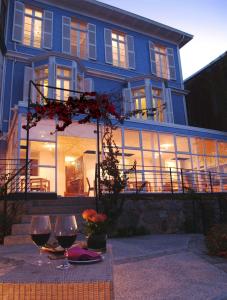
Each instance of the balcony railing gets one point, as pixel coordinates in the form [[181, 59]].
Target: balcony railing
[[153, 179]]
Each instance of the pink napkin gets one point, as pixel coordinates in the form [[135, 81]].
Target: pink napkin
[[76, 253]]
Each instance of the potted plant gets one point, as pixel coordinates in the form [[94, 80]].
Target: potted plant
[[96, 229]]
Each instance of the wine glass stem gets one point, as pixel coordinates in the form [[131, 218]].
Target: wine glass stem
[[66, 263], [40, 261]]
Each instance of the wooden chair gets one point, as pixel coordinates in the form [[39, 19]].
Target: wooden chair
[[90, 188]]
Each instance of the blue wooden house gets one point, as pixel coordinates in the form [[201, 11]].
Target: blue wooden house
[[90, 46]]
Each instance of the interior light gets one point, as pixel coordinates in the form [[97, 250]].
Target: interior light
[[49, 146], [70, 159], [165, 146]]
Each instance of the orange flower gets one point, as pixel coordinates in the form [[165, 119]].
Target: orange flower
[[98, 218], [88, 214]]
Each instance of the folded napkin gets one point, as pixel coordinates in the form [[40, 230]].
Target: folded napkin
[[76, 253]]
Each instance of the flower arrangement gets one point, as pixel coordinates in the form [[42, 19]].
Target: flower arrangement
[[96, 223]]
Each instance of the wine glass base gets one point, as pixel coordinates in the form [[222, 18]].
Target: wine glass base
[[64, 266]]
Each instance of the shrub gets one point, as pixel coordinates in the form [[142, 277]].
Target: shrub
[[216, 240]]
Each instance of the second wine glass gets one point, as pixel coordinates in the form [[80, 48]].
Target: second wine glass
[[66, 232]]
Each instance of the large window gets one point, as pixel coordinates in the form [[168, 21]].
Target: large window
[[162, 61], [119, 49], [63, 82], [33, 20], [78, 38]]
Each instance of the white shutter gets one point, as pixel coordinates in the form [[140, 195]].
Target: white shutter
[[152, 58], [74, 77], [168, 111], [66, 28], [92, 41], [47, 29], [88, 85], [171, 62], [108, 46], [131, 52], [28, 75], [18, 22], [127, 96]]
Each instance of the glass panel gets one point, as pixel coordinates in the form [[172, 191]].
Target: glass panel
[[83, 45], [222, 148], [146, 138], [117, 137], [28, 11], [210, 147], [76, 161], [43, 153], [166, 142], [132, 138], [154, 141], [184, 161], [41, 132], [211, 164], [223, 164], [45, 181], [131, 156], [168, 160], [197, 145], [27, 30], [182, 144], [38, 14]]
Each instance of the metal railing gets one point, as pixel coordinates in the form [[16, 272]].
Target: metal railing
[[153, 179], [10, 184]]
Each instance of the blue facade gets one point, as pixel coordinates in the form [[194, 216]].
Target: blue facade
[[101, 52]]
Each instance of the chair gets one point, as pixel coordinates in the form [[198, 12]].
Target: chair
[[90, 188]]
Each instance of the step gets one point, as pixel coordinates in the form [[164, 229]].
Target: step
[[20, 229], [17, 240], [57, 210], [64, 202]]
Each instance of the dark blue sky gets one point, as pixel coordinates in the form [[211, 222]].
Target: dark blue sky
[[205, 19]]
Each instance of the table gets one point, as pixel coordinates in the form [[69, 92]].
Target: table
[[21, 279], [37, 184]]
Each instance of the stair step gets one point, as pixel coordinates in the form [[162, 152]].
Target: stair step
[[57, 210], [17, 240], [64, 202], [20, 229]]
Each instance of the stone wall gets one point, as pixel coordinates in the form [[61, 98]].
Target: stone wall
[[177, 213]]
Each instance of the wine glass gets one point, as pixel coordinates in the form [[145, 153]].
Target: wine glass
[[40, 233], [65, 232]]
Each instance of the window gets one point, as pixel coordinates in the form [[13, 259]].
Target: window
[[78, 38], [162, 61], [157, 103], [139, 100], [63, 81], [41, 76], [119, 49], [32, 26]]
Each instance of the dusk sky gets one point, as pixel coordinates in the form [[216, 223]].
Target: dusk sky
[[206, 20]]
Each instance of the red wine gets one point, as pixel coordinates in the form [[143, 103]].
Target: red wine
[[40, 239], [66, 240]]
